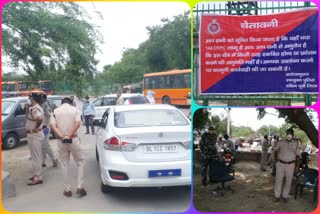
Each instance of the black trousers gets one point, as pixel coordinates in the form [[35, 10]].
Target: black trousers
[[89, 122]]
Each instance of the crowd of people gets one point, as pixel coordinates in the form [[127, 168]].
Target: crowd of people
[[65, 122], [284, 158]]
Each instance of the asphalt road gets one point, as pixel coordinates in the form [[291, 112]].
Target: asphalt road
[[48, 197]]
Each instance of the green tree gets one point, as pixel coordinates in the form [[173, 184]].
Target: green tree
[[242, 131], [201, 119], [266, 130], [299, 118], [50, 40], [168, 47]]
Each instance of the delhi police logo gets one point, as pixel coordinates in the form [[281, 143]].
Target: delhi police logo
[[213, 27]]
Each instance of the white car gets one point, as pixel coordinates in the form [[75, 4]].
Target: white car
[[144, 146], [103, 103]]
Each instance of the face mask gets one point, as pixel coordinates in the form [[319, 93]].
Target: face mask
[[289, 137]]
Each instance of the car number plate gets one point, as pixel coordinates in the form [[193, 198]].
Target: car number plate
[[160, 148], [164, 173]]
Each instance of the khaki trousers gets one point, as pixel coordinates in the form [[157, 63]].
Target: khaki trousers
[[263, 162], [35, 142], [65, 149], [287, 171], [46, 149]]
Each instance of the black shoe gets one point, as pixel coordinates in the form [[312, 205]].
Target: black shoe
[[67, 193], [285, 200], [86, 133], [44, 165], [276, 200], [204, 183], [81, 192]]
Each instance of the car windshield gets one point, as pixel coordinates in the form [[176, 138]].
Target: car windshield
[[149, 117], [7, 106], [109, 101], [55, 103]]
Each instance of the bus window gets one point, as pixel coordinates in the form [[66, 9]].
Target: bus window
[[187, 80], [153, 82], [147, 83], [23, 86], [161, 82], [168, 81]]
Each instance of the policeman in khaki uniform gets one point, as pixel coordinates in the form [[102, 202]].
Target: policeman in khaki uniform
[[287, 156], [264, 153], [35, 136], [65, 123], [46, 148]]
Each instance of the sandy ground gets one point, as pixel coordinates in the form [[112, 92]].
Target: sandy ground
[[254, 191]]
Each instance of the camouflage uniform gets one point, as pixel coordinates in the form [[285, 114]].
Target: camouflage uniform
[[208, 149]]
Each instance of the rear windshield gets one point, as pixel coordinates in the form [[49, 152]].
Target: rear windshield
[[137, 100], [109, 101], [7, 106], [55, 102], [150, 117]]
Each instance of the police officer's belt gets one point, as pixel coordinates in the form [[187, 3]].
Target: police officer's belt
[[290, 162]]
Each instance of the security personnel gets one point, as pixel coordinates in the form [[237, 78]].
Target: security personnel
[[35, 136], [208, 152], [287, 156], [264, 153], [46, 148], [65, 123], [88, 113]]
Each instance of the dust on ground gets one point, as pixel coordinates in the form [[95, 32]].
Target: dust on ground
[[253, 191]]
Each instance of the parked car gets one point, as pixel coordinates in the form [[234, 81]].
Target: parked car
[[14, 119], [103, 103], [143, 146], [134, 99], [55, 101]]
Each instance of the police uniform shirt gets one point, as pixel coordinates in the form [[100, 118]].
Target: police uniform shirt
[[34, 113], [65, 117], [287, 151], [265, 145]]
